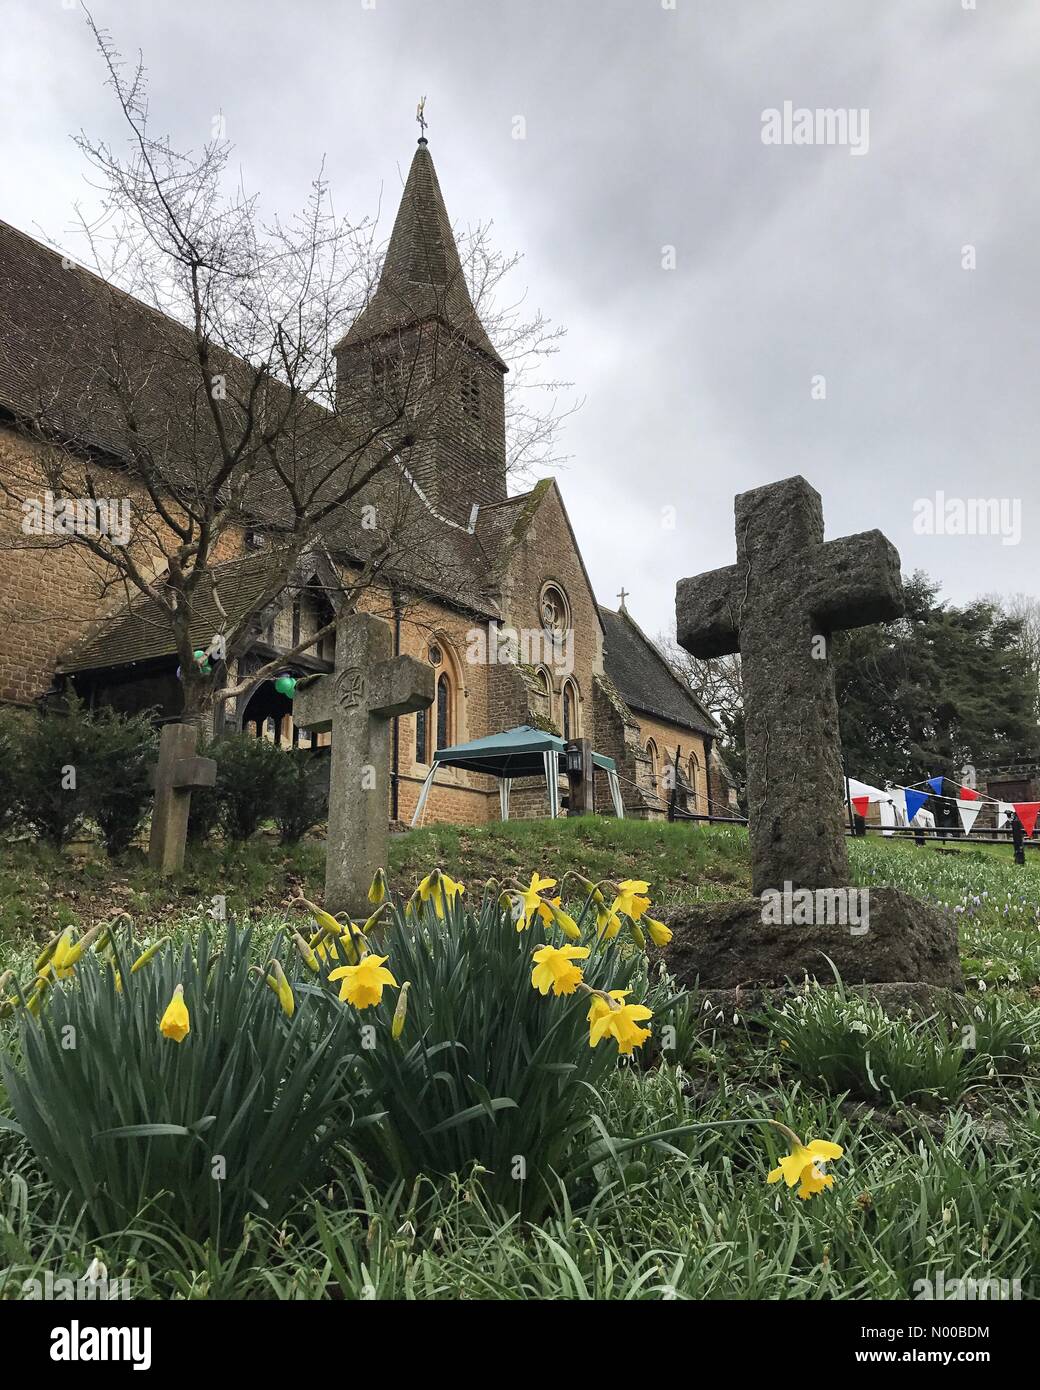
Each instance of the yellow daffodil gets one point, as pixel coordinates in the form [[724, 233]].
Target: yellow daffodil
[[564, 920], [619, 1021], [804, 1167], [532, 905], [554, 969], [282, 988], [363, 983], [377, 894], [439, 889], [397, 1027], [175, 1022], [632, 898], [660, 935]]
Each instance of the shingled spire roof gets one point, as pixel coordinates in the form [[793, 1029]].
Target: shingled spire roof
[[422, 276]]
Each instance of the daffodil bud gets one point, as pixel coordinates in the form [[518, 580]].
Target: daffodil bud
[[565, 922], [355, 947], [175, 1023], [306, 951], [660, 935], [372, 922], [46, 953], [592, 889], [377, 893], [143, 959], [281, 987], [325, 920], [397, 1027], [637, 934]]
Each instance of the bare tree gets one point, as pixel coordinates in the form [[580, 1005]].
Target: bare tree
[[203, 375], [717, 683], [1024, 608]]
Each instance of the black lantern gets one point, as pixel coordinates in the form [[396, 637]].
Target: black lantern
[[573, 759]]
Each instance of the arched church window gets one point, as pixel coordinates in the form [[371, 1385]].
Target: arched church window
[[651, 753], [570, 710], [554, 610], [545, 691], [694, 772], [445, 711], [422, 737]]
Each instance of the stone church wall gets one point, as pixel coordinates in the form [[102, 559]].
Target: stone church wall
[[52, 594]]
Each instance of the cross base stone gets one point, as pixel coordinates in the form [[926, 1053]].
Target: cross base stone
[[721, 946]]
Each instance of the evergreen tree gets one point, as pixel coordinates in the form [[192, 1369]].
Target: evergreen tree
[[940, 687]]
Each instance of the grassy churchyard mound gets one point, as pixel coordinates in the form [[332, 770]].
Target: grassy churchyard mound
[[472, 1143]]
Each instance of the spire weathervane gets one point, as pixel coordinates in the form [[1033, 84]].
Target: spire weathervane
[[420, 116]]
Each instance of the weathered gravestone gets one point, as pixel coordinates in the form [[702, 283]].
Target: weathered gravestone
[[368, 688], [177, 772], [778, 606]]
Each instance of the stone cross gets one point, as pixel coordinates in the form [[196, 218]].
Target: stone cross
[[777, 606], [368, 688], [177, 772]]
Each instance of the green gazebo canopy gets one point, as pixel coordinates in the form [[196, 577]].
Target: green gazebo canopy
[[519, 752]]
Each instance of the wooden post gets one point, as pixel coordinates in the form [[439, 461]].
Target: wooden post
[[675, 781], [581, 801]]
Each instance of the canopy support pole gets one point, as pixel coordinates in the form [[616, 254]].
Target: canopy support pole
[[424, 792], [552, 781], [615, 793], [504, 783]]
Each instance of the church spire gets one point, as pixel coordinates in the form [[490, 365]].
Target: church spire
[[420, 329], [422, 278]]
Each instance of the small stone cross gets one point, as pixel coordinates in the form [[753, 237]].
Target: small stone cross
[[777, 606], [368, 688], [177, 772]]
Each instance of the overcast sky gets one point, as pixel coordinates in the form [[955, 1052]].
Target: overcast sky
[[643, 130]]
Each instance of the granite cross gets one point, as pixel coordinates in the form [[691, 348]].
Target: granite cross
[[177, 772], [368, 688], [777, 606]]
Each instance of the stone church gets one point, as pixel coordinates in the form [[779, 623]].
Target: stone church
[[514, 563]]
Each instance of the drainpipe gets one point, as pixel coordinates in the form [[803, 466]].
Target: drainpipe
[[395, 768]]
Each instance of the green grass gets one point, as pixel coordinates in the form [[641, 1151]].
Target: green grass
[[941, 1130]]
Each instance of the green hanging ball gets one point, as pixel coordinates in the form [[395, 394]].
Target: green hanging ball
[[200, 657], [285, 685]]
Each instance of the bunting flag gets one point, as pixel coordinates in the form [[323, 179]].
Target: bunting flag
[[914, 802], [1027, 812], [860, 804], [969, 794], [969, 811], [936, 785]]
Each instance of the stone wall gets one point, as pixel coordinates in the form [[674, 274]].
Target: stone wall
[[53, 592]]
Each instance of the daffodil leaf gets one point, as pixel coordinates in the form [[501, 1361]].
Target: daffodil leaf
[[143, 1132], [474, 1112]]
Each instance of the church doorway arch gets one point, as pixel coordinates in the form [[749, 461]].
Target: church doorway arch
[[267, 713]]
